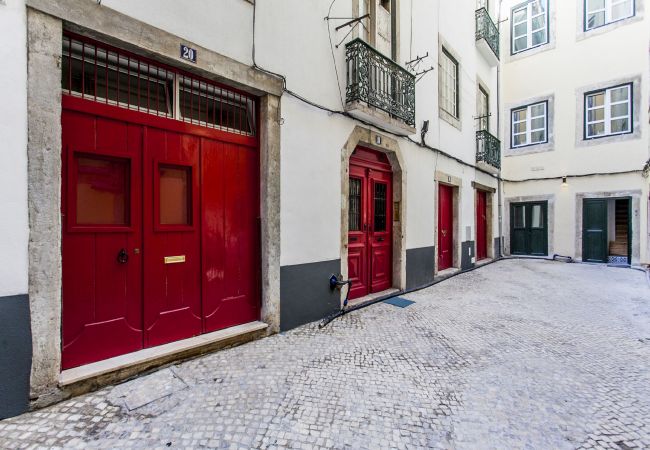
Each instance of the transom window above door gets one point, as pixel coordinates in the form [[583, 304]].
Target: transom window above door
[[602, 12], [529, 25], [608, 112], [529, 125]]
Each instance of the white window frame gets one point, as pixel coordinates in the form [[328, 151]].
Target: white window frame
[[448, 78], [607, 118], [528, 121], [529, 25], [607, 9]]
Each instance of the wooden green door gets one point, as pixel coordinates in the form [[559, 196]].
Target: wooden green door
[[594, 230], [529, 229]]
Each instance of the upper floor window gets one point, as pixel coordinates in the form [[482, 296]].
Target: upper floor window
[[603, 12], [529, 125], [448, 79], [529, 25], [483, 109], [608, 112]]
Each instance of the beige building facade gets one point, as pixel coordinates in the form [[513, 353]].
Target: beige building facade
[[575, 127]]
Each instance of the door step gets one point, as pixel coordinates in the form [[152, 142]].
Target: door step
[[86, 378]]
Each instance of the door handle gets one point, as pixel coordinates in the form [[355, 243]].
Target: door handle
[[444, 233], [122, 257], [381, 239]]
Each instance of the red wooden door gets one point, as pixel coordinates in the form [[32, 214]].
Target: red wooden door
[[481, 225], [231, 230], [370, 223], [445, 226], [172, 245], [102, 239]]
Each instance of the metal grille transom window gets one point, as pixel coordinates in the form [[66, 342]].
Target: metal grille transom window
[[102, 74], [608, 112], [529, 25], [448, 83], [603, 12], [529, 125]]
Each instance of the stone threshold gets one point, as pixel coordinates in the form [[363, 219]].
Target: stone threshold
[[371, 297], [124, 366]]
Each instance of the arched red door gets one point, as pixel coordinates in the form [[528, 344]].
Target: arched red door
[[370, 223]]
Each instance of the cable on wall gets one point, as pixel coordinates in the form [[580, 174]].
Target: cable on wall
[[408, 138]]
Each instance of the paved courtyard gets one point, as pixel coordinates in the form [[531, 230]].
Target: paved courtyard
[[517, 354]]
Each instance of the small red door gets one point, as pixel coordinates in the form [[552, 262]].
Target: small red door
[[172, 245], [231, 230], [481, 225], [102, 265], [370, 223], [445, 226]]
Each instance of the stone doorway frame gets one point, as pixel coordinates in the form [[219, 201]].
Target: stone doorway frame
[[46, 21], [365, 137]]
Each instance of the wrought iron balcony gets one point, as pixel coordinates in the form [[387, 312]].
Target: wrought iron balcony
[[488, 150], [487, 36], [377, 81]]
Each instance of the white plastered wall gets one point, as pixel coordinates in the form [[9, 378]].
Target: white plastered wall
[[13, 155]]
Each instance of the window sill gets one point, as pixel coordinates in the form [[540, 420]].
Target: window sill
[[451, 120]]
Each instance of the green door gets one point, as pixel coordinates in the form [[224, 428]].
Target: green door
[[594, 230], [529, 228]]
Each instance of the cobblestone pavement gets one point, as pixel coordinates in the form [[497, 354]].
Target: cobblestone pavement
[[518, 354]]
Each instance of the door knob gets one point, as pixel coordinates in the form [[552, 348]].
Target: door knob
[[122, 257]]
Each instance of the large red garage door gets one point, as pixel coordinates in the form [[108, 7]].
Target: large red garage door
[[160, 205]]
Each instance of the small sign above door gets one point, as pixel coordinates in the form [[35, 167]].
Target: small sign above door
[[188, 53]]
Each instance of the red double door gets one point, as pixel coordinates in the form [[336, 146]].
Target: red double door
[[445, 226], [370, 223], [481, 225], [160, 236]]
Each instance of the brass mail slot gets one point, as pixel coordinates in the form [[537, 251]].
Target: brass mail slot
[[174, 259]]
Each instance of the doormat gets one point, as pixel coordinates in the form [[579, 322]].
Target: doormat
[[399, 302]]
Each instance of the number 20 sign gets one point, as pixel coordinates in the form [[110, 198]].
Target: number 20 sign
[[188, 53]]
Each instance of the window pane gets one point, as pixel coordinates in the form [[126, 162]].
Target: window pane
[[520, 44], [622, 10], [620, 94], [518, 128], [593, 5], [520, 217], [594, 115], [175, 185], [537, 7], [537, 136], [539, 37], [537, 219], [539, 22], [538, 124], [596, 100], [520, 30], [620, 126], [380, 207], [596, 20], [619, 110], [102, 191], [355, 205], [537, 110], [596, 129], [519, 115], [519, 140], [520, 15]]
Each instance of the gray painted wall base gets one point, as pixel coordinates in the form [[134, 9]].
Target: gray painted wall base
[[305, 294], [497, 247], [420, 266], [466, 254], [15, 355]]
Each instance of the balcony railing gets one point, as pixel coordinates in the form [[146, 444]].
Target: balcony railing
[[488, 149], [380, 82], [486, 29]]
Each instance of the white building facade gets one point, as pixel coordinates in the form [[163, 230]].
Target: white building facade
[[575, 127], [187, 176]]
